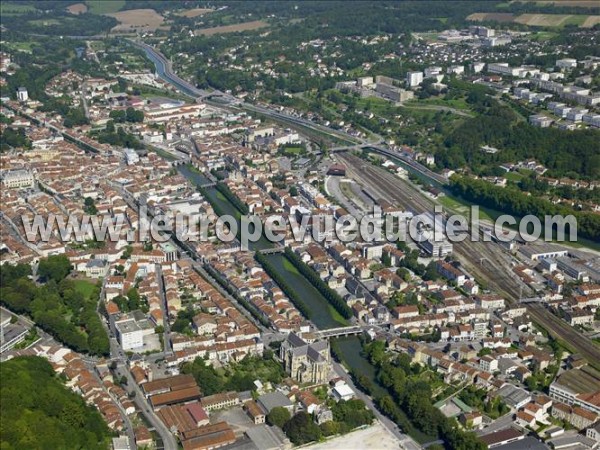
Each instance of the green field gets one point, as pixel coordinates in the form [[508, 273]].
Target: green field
[[287, 265], [104, 6], [14, 9], [85, 287], [455, 205], [45, 22]]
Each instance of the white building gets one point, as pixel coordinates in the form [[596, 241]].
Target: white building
[[539, 120], [414, 78], [456, 69], [342, 392], [477, 66], [22, 94], [130, 334], [566, 63], [20, 178], [433, 72], [131, 156]]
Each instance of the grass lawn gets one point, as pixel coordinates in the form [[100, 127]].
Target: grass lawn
[[544, 35], [575, 20], [292, 150], [85, 287], [514, 176], [14, 9], [374, 104], [287, 265], [455, 205], [104, 6], [44, 22]]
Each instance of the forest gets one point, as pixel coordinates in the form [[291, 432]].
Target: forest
[[58, 306], [409, 392], [572, 154], [237, 376], [513, 201], [40, 412]]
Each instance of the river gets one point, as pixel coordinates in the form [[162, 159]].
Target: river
[[323, 315]]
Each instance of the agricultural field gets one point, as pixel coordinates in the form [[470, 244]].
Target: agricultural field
[[14, 9], [191, 13], [496, 17], [538, 20], [576, 3], [77, 8], [590, 22], [135, 19], [104, 7], [245, 26]]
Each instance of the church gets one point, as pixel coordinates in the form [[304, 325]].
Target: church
[[306, 362]]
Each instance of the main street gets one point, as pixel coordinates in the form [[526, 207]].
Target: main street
[[169, 441], [167, 346]]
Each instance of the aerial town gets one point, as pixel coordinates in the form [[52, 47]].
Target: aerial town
[[115, 115]]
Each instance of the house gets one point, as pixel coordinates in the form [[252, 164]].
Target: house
[[342, 392], [524, 419], [593, 432], [272, 400], [255, 412], [488, 363]]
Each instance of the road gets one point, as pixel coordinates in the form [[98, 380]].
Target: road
[[485, 260], [406, 442], [558, 328], [84, 102], [126, 421], [169, 441], [167, 346]]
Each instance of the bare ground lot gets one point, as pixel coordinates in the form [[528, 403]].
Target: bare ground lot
[[577, 3], [497, 17], [134, 19], [373, 437], [77, 8], [195, 12], [590, 22], [246, 26]]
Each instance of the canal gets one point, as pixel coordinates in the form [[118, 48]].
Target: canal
[[322, 314], [220, 203], [349, 350]]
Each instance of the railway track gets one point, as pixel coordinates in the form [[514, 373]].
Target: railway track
[[558, 328], [485, 260]]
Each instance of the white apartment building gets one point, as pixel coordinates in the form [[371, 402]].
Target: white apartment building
[[414, 78], [130, 334], [22, 94]]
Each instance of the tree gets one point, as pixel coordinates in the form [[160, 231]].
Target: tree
[[90, 206], [300, 429], [278, 416], [55, 267], [39, 412]]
